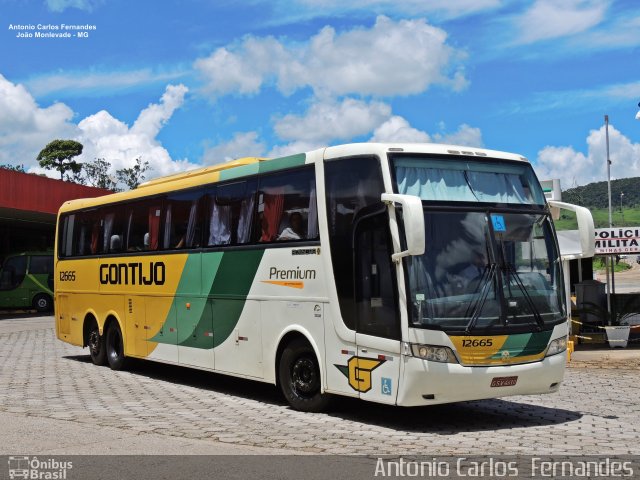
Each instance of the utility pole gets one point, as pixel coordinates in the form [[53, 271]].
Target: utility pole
[[609, 258]]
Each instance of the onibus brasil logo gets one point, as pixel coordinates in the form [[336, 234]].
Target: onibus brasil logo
[[36, 469]]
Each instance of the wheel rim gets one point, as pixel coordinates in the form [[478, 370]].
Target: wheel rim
[[42, 303], [304, 377], [94, 342], [116, 345]]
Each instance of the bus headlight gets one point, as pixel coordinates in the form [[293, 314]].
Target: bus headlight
[[433, 353], [558, 345]]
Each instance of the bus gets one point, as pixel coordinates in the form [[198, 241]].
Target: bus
[[26, 281], [405, 274]]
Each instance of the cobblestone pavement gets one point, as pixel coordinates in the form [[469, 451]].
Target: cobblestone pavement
[[596, 412]]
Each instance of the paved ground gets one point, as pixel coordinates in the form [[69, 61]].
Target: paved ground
[[627, 281], [53, 400]]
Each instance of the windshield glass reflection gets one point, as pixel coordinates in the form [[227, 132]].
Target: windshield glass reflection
[[485, 271]]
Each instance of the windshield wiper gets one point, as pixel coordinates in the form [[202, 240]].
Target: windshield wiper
[[532, 306], [512, 273], [484, 293]]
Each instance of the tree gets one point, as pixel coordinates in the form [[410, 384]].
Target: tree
[[97, 174], [13, 168], [132, 177], [59, 154]]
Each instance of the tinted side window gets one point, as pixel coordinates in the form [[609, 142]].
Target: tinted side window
[[351, 184], [87, 233], [41, 264], [230, 213], [287, 207], [113, 225], [181, 222], [144, 222], [13, 272], [65, 236]]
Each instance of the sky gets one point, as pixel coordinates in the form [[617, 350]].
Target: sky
[[189, 83]]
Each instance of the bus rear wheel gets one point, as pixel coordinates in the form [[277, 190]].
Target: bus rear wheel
[[299, 376], [96, 344], [115, 347], [42, 302]]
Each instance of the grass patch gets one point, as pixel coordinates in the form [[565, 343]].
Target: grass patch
[[629, 217], [598, 264]]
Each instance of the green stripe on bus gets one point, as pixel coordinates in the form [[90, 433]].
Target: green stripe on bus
[[282, 163], [239, 172], [234, 279], [523, 344], [537, 343], [265, 166]]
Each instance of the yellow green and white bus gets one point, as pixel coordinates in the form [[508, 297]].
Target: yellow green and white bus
[[406, 274]]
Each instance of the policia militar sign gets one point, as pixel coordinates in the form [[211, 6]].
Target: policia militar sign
[[617, 240]]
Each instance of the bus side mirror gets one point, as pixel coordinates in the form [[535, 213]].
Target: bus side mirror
[[586, 230], [413, 219]]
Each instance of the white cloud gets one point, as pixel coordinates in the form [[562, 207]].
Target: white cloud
[[397, 129], [390, 58], [330, 120], [547, 19], [242, 68], [104, 136], [243, 144], [82, 83], [466, 136], [61, 5], [25, 127], [573, 167]]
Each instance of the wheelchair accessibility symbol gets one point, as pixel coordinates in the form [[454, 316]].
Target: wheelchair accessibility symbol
[[386, 386]]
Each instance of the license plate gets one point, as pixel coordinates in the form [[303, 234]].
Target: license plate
[[503, 381]]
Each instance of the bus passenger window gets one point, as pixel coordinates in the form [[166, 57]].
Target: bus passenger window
[[113, 227], [144, 226], [13, 272], [181, 227], [287, 207], [231, 213]]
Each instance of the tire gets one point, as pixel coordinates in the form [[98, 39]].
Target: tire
[[115, 347], [42, 303], [96, 344], [299, 376]]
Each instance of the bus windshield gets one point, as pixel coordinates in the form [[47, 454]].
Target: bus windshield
[[486, 271], [462, 180]]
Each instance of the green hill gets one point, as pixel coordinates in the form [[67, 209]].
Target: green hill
[[594, 197]]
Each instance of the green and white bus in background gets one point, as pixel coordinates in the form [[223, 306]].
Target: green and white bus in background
[[406, 274], [26, 281]]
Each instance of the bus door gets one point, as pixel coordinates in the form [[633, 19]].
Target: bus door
[[378, 321]]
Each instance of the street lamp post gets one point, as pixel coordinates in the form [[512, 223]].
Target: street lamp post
[[621, 210], [609, 259]]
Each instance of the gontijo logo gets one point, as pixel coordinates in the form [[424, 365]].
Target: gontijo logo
[[358, 371], [132, 273]]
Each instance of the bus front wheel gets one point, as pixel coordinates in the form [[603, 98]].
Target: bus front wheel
[[299, 376], [115, 347], [42, 302]]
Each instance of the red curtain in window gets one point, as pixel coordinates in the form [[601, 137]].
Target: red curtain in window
[[273, 205], [95, 236], [154, 227]]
